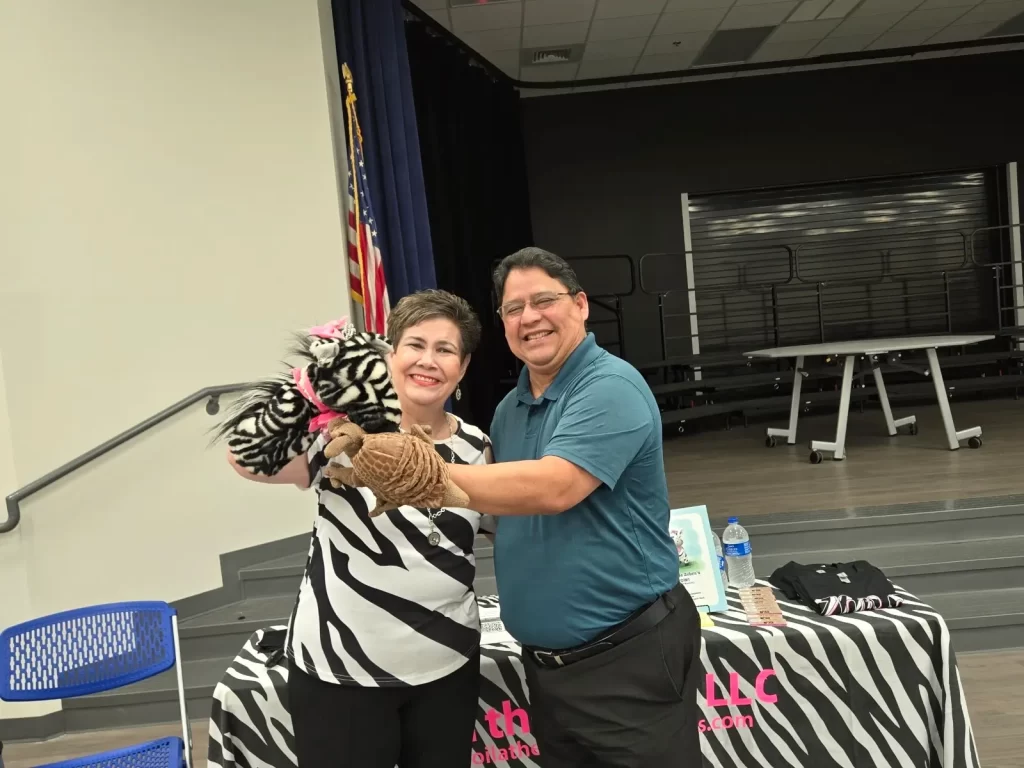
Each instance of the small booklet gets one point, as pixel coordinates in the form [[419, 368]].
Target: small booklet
[[761, 607]]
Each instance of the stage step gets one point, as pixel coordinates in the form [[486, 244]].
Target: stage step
[[282, 576], [935, 568], [150, 701], [222, 632], [913, 525], [986, 621]]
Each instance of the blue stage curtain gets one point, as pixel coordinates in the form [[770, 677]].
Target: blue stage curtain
[[474, 164], [370, 38]]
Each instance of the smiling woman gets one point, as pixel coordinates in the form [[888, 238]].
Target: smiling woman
[[434, 334], [383, 642]]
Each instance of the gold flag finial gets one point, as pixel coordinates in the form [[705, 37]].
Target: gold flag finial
[[347, 74]]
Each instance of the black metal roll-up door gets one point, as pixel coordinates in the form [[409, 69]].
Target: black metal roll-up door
[[853, 259]]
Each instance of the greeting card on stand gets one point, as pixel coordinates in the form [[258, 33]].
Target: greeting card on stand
[[690, 529]]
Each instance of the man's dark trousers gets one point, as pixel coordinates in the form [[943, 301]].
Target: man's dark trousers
[[633, 705]]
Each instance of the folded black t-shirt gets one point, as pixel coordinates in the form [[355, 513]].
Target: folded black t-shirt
[[838, 587]]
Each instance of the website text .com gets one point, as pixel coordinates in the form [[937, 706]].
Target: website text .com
[[726, 723]]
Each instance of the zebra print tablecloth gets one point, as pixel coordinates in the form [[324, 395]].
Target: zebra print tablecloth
[[878, 689]]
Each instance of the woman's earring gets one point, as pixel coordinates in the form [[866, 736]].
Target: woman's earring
[[458, 392]]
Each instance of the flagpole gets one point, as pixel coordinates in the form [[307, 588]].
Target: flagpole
[[355, 134]]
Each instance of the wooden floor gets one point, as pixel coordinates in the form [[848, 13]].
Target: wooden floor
[[992, 681], [732, 472]]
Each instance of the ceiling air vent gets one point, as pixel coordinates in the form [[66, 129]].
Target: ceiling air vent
[[568, 54], [552, 56]]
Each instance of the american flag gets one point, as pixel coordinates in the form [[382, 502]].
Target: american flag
[[366, 269]]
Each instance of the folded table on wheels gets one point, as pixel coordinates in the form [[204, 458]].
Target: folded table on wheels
[[878, 352]]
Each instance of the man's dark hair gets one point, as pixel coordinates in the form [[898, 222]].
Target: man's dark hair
[[554, 266]]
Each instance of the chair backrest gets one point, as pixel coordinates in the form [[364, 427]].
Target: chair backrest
[[86, 650]]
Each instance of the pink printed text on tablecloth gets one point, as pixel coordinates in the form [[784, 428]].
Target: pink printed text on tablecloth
[[503, 724], [734, 699]]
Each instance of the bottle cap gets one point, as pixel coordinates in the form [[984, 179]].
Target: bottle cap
[[733, 520]]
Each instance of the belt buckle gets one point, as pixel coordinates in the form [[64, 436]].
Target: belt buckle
[[555, 657]]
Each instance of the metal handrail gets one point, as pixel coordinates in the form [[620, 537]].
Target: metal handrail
[[212, 406], [884, 254], [744, 285]]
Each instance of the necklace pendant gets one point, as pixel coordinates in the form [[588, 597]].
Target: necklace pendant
[[434, 539]]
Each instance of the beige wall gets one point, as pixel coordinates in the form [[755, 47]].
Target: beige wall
[[170, 212]]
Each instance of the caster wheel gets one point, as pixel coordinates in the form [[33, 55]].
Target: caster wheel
[[913, 428], [974, 442], [769, 442], [816, 457]]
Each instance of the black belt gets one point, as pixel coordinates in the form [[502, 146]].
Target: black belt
[[641, 621]]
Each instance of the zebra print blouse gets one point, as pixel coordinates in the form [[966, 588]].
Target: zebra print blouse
[[378, 605]]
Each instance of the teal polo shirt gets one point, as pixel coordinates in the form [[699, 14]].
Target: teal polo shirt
[[563, 579]]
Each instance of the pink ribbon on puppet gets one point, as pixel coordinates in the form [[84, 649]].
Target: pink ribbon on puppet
[[336, 329], [326, 415]]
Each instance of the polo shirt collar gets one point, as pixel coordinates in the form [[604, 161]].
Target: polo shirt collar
[[580, 358]]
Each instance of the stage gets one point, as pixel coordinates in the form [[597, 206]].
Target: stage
[[731, 471]]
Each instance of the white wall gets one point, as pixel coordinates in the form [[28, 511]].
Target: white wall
[[169, 212]]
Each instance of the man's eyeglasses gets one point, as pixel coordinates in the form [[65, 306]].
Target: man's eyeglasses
[[540, 302]]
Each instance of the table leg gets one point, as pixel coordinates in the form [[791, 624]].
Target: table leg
[[838, 448], [794, 408], [892, 424], [952, 436]]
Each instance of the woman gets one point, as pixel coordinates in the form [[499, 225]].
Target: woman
[[383, 642]]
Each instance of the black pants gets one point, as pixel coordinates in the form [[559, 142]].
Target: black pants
[[631, 706], [421, 726]]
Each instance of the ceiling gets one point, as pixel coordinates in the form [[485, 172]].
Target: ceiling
[[549, 41]]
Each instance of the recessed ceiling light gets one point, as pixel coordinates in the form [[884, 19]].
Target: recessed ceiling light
[[838, 9], [809, 10], [464, 3]]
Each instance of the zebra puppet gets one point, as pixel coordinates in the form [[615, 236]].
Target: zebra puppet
[[345, 373]]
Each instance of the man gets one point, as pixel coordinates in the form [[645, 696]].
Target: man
[[587, 573]]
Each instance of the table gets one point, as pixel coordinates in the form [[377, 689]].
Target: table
[[872, 349], [864, 690]]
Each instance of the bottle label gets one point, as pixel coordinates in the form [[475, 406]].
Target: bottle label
[[737, 550], [721, 563]]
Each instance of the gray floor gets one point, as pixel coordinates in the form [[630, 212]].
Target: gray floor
[[732, 470]]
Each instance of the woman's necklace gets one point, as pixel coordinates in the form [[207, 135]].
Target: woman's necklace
[[434, 537]]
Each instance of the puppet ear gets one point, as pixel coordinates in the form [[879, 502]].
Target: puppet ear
[[380, 343], [324, 350]]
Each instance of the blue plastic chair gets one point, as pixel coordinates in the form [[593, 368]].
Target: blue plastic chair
[[95, 649]]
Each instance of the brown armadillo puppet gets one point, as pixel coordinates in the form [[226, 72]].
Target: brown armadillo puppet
[[399, 468]]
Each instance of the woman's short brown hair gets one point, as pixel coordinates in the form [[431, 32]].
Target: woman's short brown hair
[[430, 304]]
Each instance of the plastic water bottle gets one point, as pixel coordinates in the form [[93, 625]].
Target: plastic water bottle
[[738, 558], [721, 558]]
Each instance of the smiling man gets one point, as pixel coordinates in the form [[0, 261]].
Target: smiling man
[[588, 576]]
